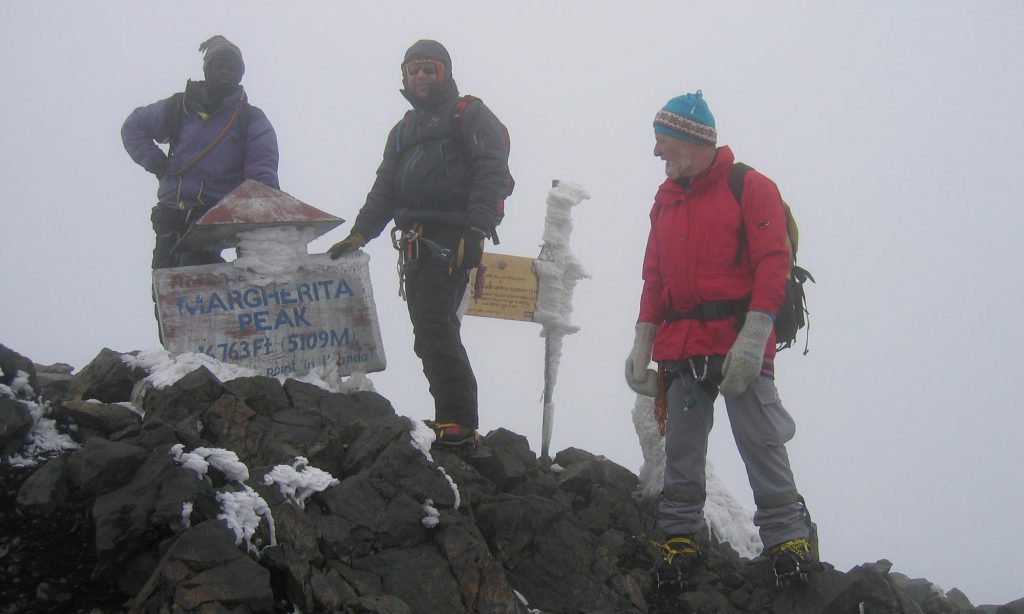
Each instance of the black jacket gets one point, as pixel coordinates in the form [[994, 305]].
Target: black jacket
[[427, 173]]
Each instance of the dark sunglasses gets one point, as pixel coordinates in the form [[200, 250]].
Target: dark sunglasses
[[427, 67]]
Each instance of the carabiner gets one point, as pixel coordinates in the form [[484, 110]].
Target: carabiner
[[704, 373]]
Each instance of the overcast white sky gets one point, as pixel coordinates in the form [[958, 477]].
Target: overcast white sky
[[893, 129]]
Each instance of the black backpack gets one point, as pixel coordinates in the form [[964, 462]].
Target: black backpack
[[793, 314]]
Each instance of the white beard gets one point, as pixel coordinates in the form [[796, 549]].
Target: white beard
[[675, 169]]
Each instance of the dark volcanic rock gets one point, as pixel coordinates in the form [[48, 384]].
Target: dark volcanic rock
[[178, 525], [11, 362], [15, 423], [104, 419], [107, 378], [47, 487], [101, 466], [202, 568]]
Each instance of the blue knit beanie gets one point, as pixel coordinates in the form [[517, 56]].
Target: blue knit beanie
[[688, 118]]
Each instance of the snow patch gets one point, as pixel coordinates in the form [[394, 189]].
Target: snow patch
[[242, 511], [43, 439], [164, 370], [201, 459], [421, 437], [299, 481], [186, 514], [433, 517], [273, 251]]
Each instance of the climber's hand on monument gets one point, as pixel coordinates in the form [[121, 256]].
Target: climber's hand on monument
[[349, 243]]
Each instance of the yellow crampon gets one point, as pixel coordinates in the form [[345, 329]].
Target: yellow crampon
[[678, 546], [799, 547]]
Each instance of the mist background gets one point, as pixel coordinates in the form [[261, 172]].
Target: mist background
[[892, 128]]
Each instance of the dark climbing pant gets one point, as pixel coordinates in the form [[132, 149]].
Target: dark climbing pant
[[433, 297], [170, 224]]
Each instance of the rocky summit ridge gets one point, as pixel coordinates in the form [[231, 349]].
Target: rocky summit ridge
[[253, 495]]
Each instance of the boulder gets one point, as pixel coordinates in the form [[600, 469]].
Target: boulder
[[15, 423], [105, 419], [203, 569], [11, 363], [47, 487], [107, 378], [101, 466]]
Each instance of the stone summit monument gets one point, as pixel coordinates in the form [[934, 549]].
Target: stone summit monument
[[276, 308]]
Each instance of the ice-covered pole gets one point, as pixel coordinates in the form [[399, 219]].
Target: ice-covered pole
[[558, 270]]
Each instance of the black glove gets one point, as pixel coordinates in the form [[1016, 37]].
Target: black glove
[[471, 250], [158, 167], [349, 243]]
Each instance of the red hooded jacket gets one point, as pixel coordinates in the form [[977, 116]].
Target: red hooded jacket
[[691, 258]]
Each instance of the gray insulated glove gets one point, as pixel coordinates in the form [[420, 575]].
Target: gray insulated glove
[[743, 362], [641, 379]]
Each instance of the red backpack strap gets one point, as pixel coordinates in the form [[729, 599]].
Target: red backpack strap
[[406, 120], [460, 110]]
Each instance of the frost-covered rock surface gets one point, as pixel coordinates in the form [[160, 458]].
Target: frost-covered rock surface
[[254, 494]]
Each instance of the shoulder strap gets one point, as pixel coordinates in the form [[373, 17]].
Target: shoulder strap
[[406, 120], [216, 141], [737, 174], [174, 108], [460, 110]]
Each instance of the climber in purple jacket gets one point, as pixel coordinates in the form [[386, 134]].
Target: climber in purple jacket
[[216, 141]]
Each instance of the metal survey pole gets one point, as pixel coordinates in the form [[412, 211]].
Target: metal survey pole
[[557, 271]]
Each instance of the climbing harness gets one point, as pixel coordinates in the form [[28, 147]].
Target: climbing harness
[[408, 243]]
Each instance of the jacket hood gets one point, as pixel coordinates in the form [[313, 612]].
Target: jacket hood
[[447, 89]]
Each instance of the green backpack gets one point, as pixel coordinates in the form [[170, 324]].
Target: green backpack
[[793, 314]]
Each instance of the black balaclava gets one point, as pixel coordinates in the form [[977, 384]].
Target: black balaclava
[[218, 46]]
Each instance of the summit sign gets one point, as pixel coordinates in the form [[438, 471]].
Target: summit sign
[[319, 315], [276, 309]]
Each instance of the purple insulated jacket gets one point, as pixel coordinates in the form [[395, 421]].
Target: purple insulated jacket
[[237, 157]]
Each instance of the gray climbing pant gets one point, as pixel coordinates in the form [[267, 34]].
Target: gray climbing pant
[[761, 427]]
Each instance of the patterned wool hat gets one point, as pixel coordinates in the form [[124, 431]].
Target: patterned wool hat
[[688, 118], [218, 45], [429, 51]]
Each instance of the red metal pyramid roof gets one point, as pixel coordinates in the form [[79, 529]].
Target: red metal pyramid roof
[[251, 206]]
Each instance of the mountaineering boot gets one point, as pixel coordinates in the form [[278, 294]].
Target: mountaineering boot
[[450, 434], [682, 557], [791, 561]]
